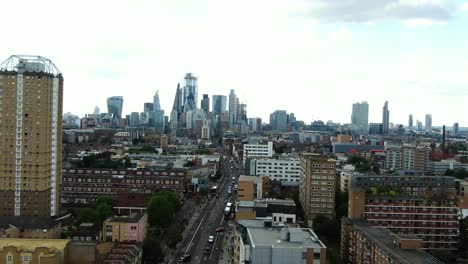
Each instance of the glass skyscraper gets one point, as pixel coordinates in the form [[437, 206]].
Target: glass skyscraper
[[219, 104], [114, 107]]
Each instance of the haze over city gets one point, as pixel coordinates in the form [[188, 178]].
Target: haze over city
[[313, 58]]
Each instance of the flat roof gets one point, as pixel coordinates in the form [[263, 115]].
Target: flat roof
[[269, 237], [384, 239], [248, 178], [31, 244], [133, 218]]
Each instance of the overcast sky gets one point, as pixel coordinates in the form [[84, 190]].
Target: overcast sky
[[311, 57]]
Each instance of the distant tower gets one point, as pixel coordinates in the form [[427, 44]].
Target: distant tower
[[219, 104], [385, 118], [360, 115], [114, 107], [232, 108], [205, 103], [455, 129], [190, 92], [156, 103], [428, 123], [96, 111], [410, 121], [31, 94]]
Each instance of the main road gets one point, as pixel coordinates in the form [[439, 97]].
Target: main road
[[211, 217]]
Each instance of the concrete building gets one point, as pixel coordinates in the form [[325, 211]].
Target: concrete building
[[425, 206], [455, 129], [29, 227], [441, 167], [258, 150], [131, 228], [407, 157], [343, 138], [428, 123], [279, 211], [410, 121], [285, 169], [31, 92], [360, 115], [351, 147], [50, 251], [252, 187], [363, 243], [317, 189], [385, 118], [257, 243]]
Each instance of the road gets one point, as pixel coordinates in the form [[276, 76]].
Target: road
[[208, 221]]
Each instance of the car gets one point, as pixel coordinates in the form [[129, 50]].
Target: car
[[185, 258], [220, 229], [210, 239], [207, 250], [229, 191]]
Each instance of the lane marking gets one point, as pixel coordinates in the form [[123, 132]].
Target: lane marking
[[214, 244], [196, 231]]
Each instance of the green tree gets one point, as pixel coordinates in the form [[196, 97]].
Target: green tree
[[88, 215], [160, 211], [326, 228], [174, 236], [152, 251]]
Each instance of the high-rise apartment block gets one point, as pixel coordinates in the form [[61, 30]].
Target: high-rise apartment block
[[425, 206], [410, 122], [407, 157], [317, 189], [385, 118], [360, 115], [428, 123], [31, 92]]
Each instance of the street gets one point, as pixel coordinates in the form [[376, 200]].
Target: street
[[209, 219]]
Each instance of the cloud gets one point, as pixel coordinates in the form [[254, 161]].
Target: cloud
[[331, 11], [464, 6], [341, 35]]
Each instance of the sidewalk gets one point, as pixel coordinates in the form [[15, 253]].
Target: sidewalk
[[228, 245]]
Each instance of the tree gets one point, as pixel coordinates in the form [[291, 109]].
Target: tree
[[160, 211], [174, 236], [152, 250], [88, 215], [326, 228]]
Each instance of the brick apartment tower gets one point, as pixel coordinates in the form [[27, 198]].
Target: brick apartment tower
[[317, 189], [31, 91]]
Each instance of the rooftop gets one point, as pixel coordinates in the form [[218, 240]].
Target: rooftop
[[31, 244], [28, 222], [133, 218], [248, 178], [278, 238]]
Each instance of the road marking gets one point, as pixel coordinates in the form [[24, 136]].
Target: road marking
[[195, 233], [220, 223], [214, 244]]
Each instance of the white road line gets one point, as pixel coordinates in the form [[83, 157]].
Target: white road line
[[196, 231], [221, 222], [214, 244]]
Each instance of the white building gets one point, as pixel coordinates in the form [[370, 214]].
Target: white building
[[258, 150], [285, 169]]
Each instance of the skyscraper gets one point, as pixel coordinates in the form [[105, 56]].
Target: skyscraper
[[114, 107], [156, 120], [279, 121], [219, 104], [134, 119], [190, 92], [410, 121], [385, 118], [31, 90], [147, 107], [205, 103], [428, 123], [156, 103], [360, 114], [455, 129], [232, 108]]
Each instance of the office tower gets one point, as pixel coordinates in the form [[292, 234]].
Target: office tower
[[317, 188], [156, 103], [360, 115], [428, 123], [255, 124], [156, 120], [219, 104], [205, 103], [232, 108], [178, 99], [174, 122], [455, 129], [190, 92], [147, 107], [31, 90], [279, 121], [291, 118], [242, 113], [134, 119], [114, 107], [96, 111], [410, 121], [385, 118], [419, 125]]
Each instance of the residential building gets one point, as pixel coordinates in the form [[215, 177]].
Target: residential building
[[258, 150], [363, 243], [425, 206], [22, 250], [407, 157], [31, 92], [256, 242], [124, 253], [83, 186], [285, 169], [29, 227], [385, 118], [317, 189], [428, 123], [131, 228], [252, 187], [360, 115]]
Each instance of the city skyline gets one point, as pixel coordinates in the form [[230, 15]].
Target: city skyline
[[403, 52]]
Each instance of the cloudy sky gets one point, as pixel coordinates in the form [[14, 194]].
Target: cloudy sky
[[311, 57]]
